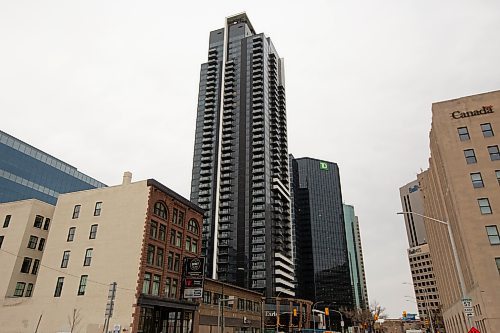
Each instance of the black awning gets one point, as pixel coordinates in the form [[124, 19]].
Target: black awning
[[148, 300]]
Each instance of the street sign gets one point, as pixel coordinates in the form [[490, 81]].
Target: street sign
[[193, 292], [474, 330], [467, 302]]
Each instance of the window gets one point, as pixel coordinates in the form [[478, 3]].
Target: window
[[59, 286], [97, 209], [88, 257], [6, 221], [25, 268], [463, 133], [216, 298], [155, 290], [167, 287], [207, 297], [487, 130], [249, 305], [172, 237], [162, 232], [498, 264], [170, 261], [151, 254], [177, 260], [241, 304], [497, 174], [93, 231], [146, 283], [484, 205], [159, 257], [36, 264], [161, 210], [174, 216], [178, 240], [71, 234], [29, 290], [1, 241], [83, 284], [41, 245], [494, 153], [477, 180], [32, 242], [193, 226], [188, 244], [65, 259], [153, 230], [38, 222], [46, 224], [493, 236], [76, 211], [173, 289], [19, 289], [180, 219], [470, 156]]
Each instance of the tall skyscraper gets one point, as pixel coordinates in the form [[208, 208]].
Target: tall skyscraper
[[29, 173], [240, 164], [356, 265], [461, 188], [323, 272], [412, 201]]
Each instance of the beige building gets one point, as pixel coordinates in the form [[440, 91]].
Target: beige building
[[23, 235], [135, 235], [424, 282], [461, 186]]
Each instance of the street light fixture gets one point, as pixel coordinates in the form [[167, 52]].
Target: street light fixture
[[341, 317], [221, 319], [453, 247], [314, 318], [426, 304]]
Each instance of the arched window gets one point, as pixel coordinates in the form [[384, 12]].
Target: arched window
[[160, 210], [193, 226]]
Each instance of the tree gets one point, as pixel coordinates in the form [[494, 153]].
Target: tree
[[365, 317], [74, 320]]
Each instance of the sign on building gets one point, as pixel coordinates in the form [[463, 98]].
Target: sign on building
[[193, 276]]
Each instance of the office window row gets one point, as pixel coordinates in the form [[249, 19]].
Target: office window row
[[477, 179], [97, 210], [20, 289], [151, 285], [486, 129], [493, 151], [81, 286], [26, 266], [242, 304], [86, 261], [33, 241], [72, 231]]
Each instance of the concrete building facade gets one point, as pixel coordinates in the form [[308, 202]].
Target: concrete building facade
[[27, 172], [240, 163], [461, 188], [135, 235], [23, 237], [412, 201]]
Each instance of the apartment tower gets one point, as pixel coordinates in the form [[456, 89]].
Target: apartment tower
[[323, 270], [240, 164], [461, 187]]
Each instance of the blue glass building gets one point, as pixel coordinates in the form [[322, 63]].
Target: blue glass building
[[27, 172]]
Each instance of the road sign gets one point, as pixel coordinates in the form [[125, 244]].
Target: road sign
[[467, 302], [193, 292], [474, 330]]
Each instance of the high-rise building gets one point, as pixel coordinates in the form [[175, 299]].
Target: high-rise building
[[29, 173], [356, 264], [461, 188], [412, 201], [419, 256], [240, 164], [322, 270]]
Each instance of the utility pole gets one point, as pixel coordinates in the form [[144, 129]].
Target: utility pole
[[110, 305]]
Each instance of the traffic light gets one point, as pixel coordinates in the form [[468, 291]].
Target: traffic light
[[426, 322], [404, 314], [295, 312], [327, 311], [375, 317]]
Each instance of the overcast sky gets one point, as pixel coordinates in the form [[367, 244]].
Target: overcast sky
[[110, 86]]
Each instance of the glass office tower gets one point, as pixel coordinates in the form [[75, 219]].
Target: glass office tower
[[27, 172], [322, 270], [240, 164]]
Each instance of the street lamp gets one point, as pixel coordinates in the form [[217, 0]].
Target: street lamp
[[341, 317], [426, 304], [219, 318], [453, 247], [314, 318]]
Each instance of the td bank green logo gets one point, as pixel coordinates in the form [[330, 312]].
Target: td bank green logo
[[323, 166]]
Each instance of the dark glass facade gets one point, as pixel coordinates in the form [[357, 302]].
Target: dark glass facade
[[27, 172], [322, 261], [240, 164]]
